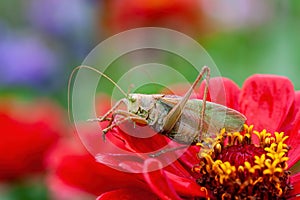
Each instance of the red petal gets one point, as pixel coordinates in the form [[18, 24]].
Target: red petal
[[134, 164], [293, 141], [78, 169], [139, 139], [185, 187], [290, 120], [132, 167], [157, 180], [176, 168], [114, 160], [189, 158], [297, 99], [182, 181], [266, 100], [128, 194], [84, 173], [222, 91], [173, 163], [295, 181]]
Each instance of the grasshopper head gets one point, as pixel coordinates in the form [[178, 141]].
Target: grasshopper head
[[141, 102]]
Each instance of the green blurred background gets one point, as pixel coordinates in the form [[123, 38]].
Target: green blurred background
[[41, 41]]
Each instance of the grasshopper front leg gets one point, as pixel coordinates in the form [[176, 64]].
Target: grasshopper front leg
[[126, 117], [105, 116]]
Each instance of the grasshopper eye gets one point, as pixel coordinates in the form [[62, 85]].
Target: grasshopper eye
[[132, 99]]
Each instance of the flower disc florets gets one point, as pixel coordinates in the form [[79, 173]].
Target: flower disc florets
[[242, 166]]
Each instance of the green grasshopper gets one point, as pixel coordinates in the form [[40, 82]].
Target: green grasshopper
[[186, 121]]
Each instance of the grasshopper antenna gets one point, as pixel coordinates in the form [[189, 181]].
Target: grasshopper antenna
[[92, 69]]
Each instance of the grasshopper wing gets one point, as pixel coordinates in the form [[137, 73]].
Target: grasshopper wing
[[216, 118]]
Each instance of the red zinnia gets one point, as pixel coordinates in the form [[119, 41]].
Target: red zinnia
[[269, 102], [28, 131]]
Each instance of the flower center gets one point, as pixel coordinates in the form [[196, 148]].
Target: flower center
[[239, 168], [238, 154]]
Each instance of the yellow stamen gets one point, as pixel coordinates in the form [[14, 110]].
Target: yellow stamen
[[260, 161], [206, 192], [266, 170]]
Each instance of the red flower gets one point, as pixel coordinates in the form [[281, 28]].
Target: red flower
[[182, 15], [274, 94], [269, 102], [28, 131]]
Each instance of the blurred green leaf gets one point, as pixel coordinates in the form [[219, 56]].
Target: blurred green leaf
[[26, 191]]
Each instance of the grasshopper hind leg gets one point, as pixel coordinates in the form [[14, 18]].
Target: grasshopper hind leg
[[202, 112], [175, 113]]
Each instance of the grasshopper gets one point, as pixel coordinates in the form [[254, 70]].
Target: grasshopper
[[186, 121]]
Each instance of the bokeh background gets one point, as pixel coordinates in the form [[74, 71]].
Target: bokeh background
[[41, 41]]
